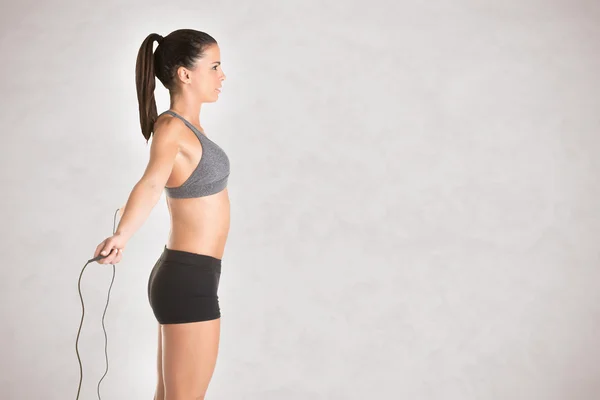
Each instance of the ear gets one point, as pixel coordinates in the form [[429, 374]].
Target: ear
[[183, 74]]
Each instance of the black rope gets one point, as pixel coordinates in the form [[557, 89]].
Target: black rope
[[99, 257]]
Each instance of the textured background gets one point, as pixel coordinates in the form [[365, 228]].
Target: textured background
[[414, 190]]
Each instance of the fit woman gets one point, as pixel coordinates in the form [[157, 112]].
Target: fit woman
[[193, 170]]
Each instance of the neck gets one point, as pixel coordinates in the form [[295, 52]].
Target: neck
[[187, 108]]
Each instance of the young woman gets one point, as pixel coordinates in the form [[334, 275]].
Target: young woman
[[193, 170]]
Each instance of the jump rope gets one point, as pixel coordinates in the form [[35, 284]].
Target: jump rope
[[99, 257]]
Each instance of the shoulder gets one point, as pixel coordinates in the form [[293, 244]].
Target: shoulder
[[168, 129], [167, 122]]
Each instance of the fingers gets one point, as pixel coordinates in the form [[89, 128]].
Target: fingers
[[99, 248], [107, 258], [111, 250], [119, 255], [108, 247], [113, 258]]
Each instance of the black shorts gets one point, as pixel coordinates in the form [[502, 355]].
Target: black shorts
[[182, 287]]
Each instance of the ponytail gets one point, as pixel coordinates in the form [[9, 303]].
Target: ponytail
[[145, 84], [180, 48]]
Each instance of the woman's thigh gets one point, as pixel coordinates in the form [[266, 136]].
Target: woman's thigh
[[189, 356]]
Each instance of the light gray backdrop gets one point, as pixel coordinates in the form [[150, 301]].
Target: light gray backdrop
[[414, 194]]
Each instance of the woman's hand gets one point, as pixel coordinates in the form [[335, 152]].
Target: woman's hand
[[112, 246]]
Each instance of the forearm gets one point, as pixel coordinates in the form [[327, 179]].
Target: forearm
[[142, 200]]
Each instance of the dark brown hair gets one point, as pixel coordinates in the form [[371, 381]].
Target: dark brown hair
[[180, 48]]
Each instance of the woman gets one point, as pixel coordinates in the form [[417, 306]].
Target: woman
[[193, 170]]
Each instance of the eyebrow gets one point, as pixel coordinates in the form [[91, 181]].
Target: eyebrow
[[217, 62]]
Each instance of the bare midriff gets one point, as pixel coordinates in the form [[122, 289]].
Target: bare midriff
[[199, 225]]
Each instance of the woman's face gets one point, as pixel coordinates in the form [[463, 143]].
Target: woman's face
[[206, 79]]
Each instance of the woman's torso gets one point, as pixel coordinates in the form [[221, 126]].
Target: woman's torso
[[198, 224]]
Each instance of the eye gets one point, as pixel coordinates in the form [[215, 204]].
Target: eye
[[215, 67]]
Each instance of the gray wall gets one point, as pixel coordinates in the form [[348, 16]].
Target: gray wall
[[414, 189]]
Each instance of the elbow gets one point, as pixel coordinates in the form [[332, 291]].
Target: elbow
[[149, 185]]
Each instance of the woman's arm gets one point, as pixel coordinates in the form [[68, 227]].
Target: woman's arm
[[147, 192]]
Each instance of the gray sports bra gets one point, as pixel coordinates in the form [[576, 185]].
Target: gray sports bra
[[212, 172]]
